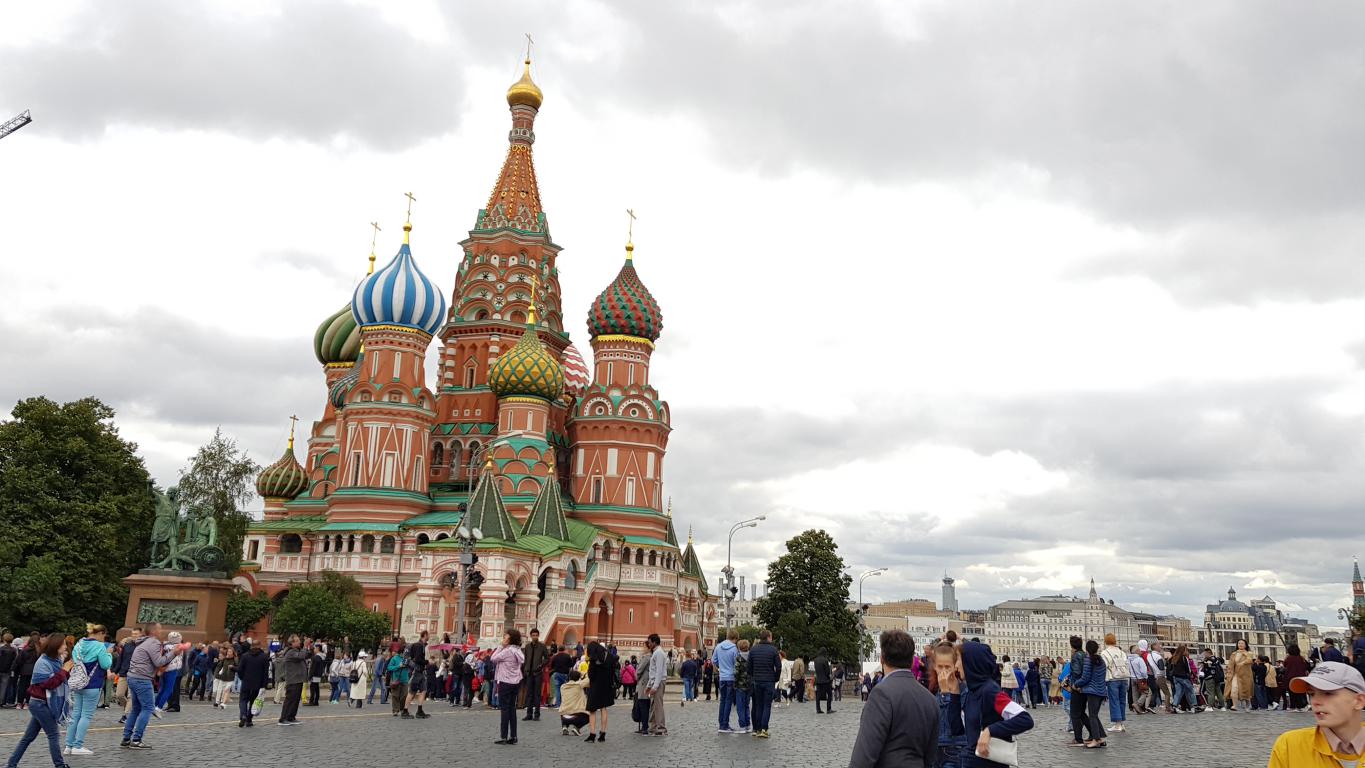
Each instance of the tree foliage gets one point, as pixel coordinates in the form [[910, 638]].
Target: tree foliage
[[76, 512], [807, 602], [244, 610], [745, 631], [329, 608], [221, 477]]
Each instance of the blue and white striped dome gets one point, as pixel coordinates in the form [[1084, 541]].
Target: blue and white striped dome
[[399, 294]]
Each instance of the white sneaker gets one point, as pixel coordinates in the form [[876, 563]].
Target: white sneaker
[[156, 712], [81, 751], [66, 750], [564, 731]]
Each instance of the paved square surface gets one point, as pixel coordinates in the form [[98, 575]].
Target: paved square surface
[[333, 736]]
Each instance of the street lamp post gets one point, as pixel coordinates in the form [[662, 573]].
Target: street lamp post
[[862, 578], [468, 538], [729, 570]]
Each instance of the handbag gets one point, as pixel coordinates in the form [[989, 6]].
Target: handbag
[[1002, 752], [258, 704]]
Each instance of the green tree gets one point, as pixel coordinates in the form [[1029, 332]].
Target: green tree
[[807, 603], [221, 477], [244, 610], [330, 608], [745, 631], [76, 512]]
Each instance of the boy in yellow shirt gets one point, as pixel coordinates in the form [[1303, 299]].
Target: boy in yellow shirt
[[1336, 694]]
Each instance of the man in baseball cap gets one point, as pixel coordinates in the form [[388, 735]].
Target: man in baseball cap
[[1337, 693]]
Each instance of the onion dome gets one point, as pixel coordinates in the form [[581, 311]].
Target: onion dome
[[528, 368], [626, 307], [577, 377], [336, 395], [525, 92], [284, 479], [337, 340], [399, 294]]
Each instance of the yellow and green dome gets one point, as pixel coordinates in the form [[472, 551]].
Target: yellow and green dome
[[527, 369], [284, 479]]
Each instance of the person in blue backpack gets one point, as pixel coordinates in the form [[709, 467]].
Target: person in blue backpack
[[44, 711], [986, 711], [92, 653]]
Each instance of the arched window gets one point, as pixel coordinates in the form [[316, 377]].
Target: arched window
[[606, 551], [653, 557], [625, 555], [571, 576], [639, 557], [441, 536], [291, 544], [438, 454], [483, 315], [336, 543], [422, 538], [350, 543], [386, 545], [454, 459], [326, 543], [367, 544]]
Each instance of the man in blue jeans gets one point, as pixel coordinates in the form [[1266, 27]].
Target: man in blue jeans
[[148, 656], [765, 667], [724, 657]]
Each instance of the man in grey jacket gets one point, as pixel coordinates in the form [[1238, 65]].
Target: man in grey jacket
[[899, 724], [148, 656], [656, 679], [296, 659]]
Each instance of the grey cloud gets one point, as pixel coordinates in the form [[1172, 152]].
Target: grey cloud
[[313, 71]]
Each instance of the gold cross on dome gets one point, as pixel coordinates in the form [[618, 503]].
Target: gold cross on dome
[[529, 42], [373, 239], [411, 200], [292, 421], [630, 226]]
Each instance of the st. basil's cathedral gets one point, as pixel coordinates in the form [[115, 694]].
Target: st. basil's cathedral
[[558, 465]]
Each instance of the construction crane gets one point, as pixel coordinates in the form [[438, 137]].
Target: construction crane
[[15, 123]]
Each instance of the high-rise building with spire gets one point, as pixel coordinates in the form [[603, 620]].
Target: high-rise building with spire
[[949, 594], [1357, 586], [558, 464]]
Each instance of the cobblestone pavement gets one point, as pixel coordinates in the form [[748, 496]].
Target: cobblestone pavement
[[334, 736]]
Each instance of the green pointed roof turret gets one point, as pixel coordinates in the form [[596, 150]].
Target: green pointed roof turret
[[547, 513], [487, 512], [671, 536], [692, 565]]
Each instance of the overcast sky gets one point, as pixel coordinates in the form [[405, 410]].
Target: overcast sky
[[1027, 292]]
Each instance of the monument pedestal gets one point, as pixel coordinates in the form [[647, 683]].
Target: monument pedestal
[[193, 604]]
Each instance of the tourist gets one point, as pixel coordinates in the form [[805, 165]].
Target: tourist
[[1239, 667], [987, 712], [1157, 660], [253, 667], [1117, 675], [1330, 651], [601, 689], [26, 661], [317, 669], [799, 680], [125, 658], [536, 655], [277, 673], [865, 687], [1075, 696], [399, 677], [224, 672], [1337, 693], [655, 682], [200, 665], [945, 682], [560, 665], [765, 667], [1047, 672], [639, 711], [8, 656], [507, 662], [147, 657], [47, 696], [822, 683], [360, 680], [92, 653], [688, 673], [708, 678], [899, 725], [1295, 665], [1271, 684], [378, 682], [339, 675], [417, 656], [296, 662], [1092, 684], [1182, 681], [573, 705], [1009, 683], [743, 685], [837, 681], [1033, 682], [725, 656]]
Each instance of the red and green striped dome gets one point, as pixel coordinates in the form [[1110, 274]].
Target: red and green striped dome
[[284, 479], [626, 307]]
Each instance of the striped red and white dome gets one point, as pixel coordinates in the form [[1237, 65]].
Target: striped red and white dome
[[577, 377]]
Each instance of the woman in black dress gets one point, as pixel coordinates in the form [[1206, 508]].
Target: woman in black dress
[[601, 689]]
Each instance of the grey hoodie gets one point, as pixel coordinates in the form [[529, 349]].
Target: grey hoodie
[[148, 656]]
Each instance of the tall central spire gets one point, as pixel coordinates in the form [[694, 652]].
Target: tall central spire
[[515, 200]]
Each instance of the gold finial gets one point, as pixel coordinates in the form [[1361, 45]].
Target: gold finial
[[531, 314], [689, 535], [373, 239], [407, 225], [630, 235], [488, 463], [525, 92], [670, 506], [529, 43], [292, 421]]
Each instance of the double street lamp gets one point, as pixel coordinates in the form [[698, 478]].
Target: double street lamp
[[468, 538], [729, 571]]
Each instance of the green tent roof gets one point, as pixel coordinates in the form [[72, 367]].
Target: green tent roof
[[289, 524], [434, 518], [547, 513], [649, 542], [376, 527], [488, 513]]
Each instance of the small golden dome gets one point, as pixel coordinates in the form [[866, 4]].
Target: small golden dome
[[524, 91]]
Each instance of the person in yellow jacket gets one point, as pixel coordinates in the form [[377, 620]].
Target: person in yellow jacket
[[1336, 693]]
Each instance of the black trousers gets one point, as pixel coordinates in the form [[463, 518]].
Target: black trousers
[[507, 702], [1077, 714], [293, 694], [244, 705], [1092, 711], [573, 721], [313, 693], [533, 688], [824, 694], [800, 690]]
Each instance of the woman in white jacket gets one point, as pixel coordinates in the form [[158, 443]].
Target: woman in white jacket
[[784, 681], [1116, 674], [361, 670]]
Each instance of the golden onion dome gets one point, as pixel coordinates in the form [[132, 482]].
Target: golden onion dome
[[525, 92]]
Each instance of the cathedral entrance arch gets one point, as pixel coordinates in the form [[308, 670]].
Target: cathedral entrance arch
[[603, 621]]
